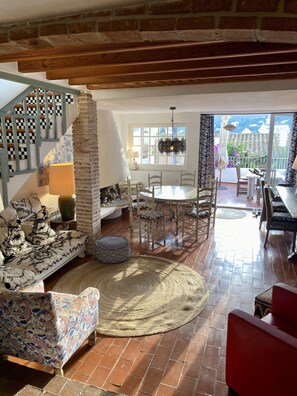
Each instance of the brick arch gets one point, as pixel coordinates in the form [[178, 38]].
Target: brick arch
[[173, 20]]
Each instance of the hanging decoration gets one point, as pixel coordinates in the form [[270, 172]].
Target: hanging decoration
[[173, 145]]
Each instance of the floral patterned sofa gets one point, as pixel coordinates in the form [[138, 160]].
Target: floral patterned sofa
[[47, 328], [30, 250]]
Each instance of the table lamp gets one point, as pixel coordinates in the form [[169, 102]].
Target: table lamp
[[61, 182], [133, 155]]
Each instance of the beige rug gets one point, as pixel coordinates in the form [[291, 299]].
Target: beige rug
[[232, 214], [141, 296]]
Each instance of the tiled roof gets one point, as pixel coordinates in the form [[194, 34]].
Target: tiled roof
[[255, 143]]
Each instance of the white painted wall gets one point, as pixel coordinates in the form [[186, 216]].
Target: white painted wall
[[191, 120]]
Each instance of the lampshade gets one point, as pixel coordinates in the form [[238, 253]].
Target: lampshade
[[294, 166], [133, 154], [61, 182], [61, 179]]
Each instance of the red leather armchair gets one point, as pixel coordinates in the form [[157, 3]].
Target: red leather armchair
[[261, 354]]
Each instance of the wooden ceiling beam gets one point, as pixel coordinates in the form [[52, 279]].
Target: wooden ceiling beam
[[148, 55], [83, 50], [185, 75], [171, 66], [214, 80]]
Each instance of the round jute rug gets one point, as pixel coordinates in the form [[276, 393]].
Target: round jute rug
[[143, 295]]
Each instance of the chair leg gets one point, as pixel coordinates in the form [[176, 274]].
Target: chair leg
[[92, 338], [266, 238], [262, 218], [152, 230], [59, 371]]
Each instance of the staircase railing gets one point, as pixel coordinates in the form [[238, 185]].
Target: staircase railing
[[37, 114]]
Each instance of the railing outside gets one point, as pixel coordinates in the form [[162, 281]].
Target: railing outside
[[260, 162]]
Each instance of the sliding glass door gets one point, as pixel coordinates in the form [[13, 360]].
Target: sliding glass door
[[260, 141], [278, 149]]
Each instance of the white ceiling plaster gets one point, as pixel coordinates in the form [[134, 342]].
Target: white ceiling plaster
[[281, 96]]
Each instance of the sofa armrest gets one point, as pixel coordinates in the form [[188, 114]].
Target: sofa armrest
[[260, 359], [284, 302], [70, 309]]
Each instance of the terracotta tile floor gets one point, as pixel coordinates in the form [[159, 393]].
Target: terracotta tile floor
[[190, 360]]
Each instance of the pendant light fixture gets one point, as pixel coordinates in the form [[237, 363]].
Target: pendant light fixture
[[172, 145]]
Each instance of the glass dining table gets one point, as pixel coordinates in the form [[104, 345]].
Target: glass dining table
[[174, 195]]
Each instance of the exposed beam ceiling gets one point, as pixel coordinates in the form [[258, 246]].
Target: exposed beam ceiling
[[113, 66]]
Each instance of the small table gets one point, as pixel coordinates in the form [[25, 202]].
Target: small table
[[289, 198], [58, 224], [176, 195]]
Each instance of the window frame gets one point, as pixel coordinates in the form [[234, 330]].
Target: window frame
[[158, 166]]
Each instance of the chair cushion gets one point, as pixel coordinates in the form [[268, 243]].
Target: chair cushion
[[146, 215], [44, 257], [281, 324], [283, 216], [279, 206], [201, 214]]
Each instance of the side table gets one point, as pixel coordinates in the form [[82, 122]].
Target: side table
[[58, 224]]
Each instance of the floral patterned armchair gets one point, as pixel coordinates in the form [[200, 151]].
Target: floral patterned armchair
[[47, 327]]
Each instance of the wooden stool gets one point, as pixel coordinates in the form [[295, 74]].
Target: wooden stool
[[263, 303]]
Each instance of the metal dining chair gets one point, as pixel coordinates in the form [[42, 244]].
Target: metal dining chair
[[242, 182]]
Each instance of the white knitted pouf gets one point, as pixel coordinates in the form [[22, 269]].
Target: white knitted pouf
[[112, 249]]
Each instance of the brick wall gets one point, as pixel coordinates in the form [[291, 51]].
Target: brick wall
[[86, 162], [178, 20]]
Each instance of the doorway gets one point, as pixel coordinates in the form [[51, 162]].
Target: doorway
[[258, 141]]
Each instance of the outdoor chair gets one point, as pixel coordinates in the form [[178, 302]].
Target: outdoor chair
[[271, 182], [261, 353], [187, 178], [278, 221], [154, 180], [151, 221], [242, 182]]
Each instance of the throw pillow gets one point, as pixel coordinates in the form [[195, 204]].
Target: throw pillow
[[12, 238], [27, 206], [36, 228]]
